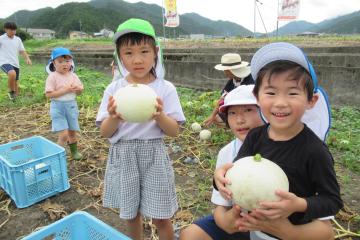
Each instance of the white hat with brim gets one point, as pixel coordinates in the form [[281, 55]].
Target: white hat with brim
[[241, 72], [242, 95], [281, 51], [230, 61]]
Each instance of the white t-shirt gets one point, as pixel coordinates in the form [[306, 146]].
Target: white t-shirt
[[148, 130], [226, 155], [10, 49]]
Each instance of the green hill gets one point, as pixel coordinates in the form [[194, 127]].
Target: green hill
[[346, 24], [97, 14], [92, 16]]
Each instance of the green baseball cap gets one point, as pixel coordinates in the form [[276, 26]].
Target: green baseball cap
[[134, 25]]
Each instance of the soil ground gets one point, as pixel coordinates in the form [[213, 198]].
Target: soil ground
[[86, 176], [86, 180]]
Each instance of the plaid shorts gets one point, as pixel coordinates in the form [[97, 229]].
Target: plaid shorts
[[139, 178]]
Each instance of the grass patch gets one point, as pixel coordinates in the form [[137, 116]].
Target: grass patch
[[32, 85], [33, 45], [344, 137]]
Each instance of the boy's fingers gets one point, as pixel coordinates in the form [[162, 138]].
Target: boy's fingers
[[227, 166], [226, 192], [285, 194], [258, 215]]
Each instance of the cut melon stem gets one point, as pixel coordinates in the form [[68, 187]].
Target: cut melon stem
[[257, 157]]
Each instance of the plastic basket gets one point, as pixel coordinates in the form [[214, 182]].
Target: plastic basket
[[32, 169], [77, 226]]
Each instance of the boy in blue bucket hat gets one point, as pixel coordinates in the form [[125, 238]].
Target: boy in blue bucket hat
[[62, 87]]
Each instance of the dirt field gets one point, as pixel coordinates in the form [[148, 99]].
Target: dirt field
[[86, 177]]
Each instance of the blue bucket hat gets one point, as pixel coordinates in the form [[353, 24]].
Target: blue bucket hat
[[60, 51], [281, 51]]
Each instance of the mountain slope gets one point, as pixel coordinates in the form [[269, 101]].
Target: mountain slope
[[346, 24], [96, 14]]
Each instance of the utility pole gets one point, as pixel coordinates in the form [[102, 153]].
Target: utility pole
[[254, 18], [163, 20], [277, 21]]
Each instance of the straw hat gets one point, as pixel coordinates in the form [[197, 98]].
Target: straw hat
[[232, 62]]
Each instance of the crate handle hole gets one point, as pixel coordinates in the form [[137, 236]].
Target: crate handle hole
[[14, 148], [50, 237]]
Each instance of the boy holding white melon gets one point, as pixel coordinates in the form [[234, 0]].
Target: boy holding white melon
[[285, 88]]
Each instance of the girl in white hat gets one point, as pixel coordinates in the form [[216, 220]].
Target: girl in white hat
[[241, 115]]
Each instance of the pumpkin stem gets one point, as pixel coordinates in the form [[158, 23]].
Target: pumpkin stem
[[257, 157]]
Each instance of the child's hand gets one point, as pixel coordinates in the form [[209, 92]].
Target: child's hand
[[67, 88], [77, 88], [233, 217], [220, 180], [256, 222], [210, 120], [288, 204], [159, 109], [111, 107]]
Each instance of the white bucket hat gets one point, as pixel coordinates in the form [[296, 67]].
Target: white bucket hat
[[242, 95], [233, 62]]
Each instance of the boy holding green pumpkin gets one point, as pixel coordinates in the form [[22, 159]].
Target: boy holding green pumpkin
[[285, 88]]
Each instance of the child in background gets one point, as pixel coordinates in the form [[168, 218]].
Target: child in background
[[241, 115], [238, 73], [62, 86], [285, 88], [139, 178], [10, 47], [115, 73]]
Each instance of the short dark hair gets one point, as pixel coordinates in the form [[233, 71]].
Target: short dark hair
[[298, 73], [135, 38], [10, 25]]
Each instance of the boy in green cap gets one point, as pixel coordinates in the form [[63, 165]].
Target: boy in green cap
[[139, 178]]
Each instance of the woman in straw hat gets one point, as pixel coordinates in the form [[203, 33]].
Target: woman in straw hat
[[238, 73]]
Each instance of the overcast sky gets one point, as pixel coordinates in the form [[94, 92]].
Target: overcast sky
[[238, 11]]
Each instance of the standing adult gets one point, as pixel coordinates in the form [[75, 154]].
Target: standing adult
[[10, 47]]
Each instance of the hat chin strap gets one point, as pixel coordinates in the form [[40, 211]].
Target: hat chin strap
[[160, 70], [313, 76]]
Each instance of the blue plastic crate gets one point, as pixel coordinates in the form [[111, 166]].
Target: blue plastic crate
[[32, 169], [78, 226]]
